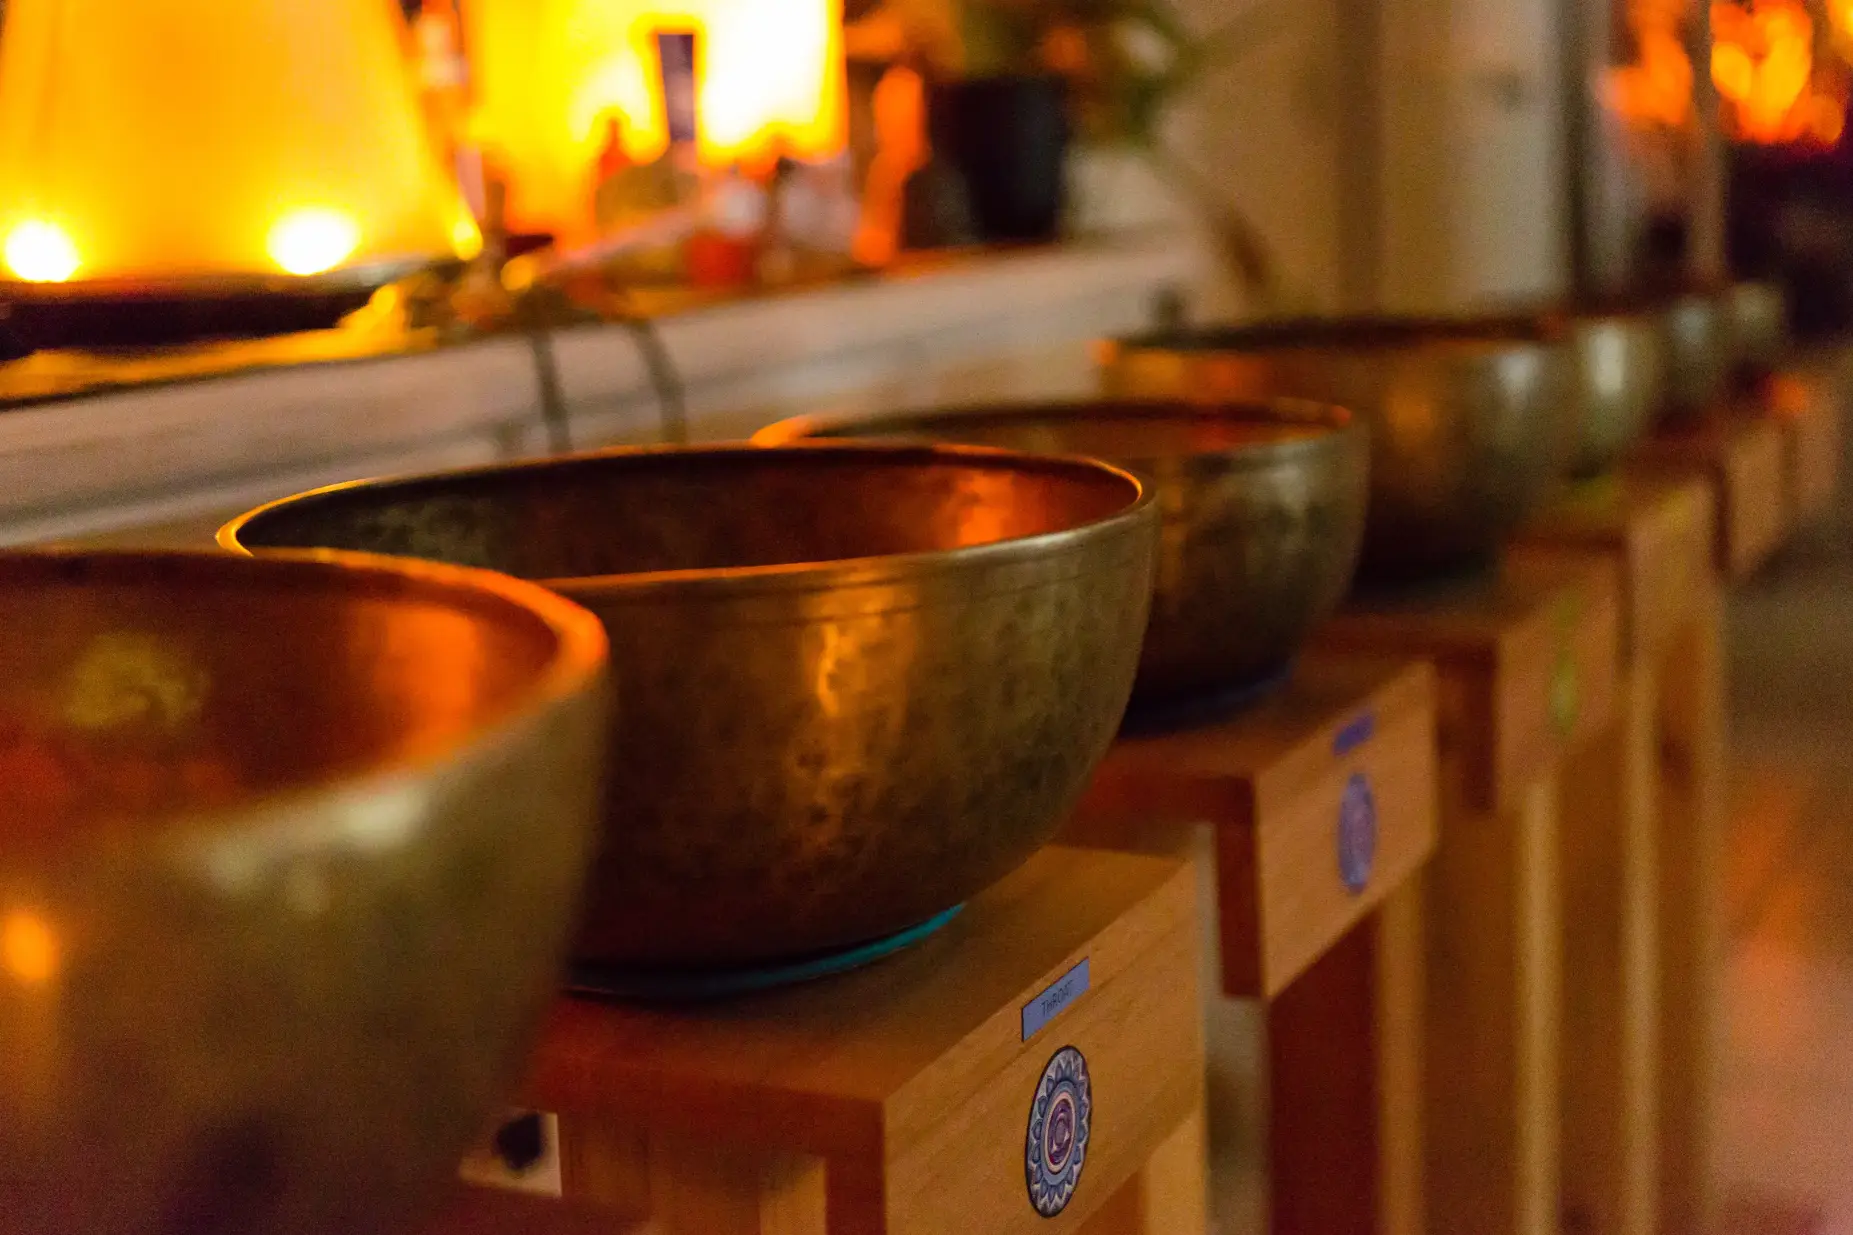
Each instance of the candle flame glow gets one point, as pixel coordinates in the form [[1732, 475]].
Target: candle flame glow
[[313, 241], [28, 948], [40, 252]]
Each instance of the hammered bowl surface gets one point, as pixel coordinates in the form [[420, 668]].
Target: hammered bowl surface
[[1261, 508], [291, 856], [1472, 422], [860, 683]]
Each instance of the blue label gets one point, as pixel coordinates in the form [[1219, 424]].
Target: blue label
[[1355, 734], [1357, 834], [1038, 1012]]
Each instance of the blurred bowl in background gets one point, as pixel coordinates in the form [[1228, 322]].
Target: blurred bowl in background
[[292, 855], [1696, 324], [1620, 354], [1262, 508], [1759, 314], [1471, 422], [861, 683]]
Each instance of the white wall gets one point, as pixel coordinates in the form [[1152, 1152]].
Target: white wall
[[1400, 154]]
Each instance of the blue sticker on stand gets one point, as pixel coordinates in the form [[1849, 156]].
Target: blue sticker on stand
[[1045, 1007], [1355, 734], [1060, 1122], [1357, 834]]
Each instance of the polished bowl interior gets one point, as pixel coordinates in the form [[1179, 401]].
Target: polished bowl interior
[[291, 860], [1620, 358], [1262, 508], [860, 683], [1471, 422]]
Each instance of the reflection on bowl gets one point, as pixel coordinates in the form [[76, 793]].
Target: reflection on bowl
[[860, 683], [291, 858], [1262, 509]]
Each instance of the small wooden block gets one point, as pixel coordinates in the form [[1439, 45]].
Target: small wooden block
[[1527, 658], [1347, 743], [493, 1211], [1808, 409], [911, 1083], [1657, 528], [1745, 460]]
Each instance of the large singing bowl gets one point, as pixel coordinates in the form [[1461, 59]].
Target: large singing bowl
[[1620, 359], [289, 863], [1261, 506], [1471, 423], [860, 683]]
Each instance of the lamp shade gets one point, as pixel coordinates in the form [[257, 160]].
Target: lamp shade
[[547, 73], [149, 146]]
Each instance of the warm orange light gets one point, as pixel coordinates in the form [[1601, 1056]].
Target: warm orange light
[[28, 948], [1763, 63], [547, 73], [174, 139], [40, 252]]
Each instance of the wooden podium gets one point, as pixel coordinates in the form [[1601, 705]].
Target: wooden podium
[[1526, 662], [1640, 859], [1746, 459], [1037, 1066], [1309, 812]]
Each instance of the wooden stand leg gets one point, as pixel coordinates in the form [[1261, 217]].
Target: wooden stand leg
[[1611, 1008], [1344, 1091], [1492, 1023], [1170, 1193], [1693, 750], [691, 1187]]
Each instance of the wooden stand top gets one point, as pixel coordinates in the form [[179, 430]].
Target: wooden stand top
[[1527, 657], [1323, 795], [823, 1068], [1658, 528], [492, 1211], [1743, 453]]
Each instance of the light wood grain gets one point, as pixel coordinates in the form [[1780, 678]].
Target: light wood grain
[[909, 1081], [1501, 644], [1694, 755], [1612, 1010], [1742, 454], [1491, 895], [1272, 780], [1807, 405], [1658, 528], [1658, 531], [485, 1211]]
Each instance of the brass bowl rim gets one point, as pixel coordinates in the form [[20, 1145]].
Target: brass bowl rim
[[577, 666], [1330, 422], [825, 575], [1359, 334]]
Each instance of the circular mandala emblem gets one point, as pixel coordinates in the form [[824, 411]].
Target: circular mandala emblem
[[1060, 1122], [1357, 834]]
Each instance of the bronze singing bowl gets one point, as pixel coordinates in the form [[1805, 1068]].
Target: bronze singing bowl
[[1620, 357], [861, 683], [1471, 423], [1261, 507], [290, 860], [1700, 350], [1759, 315]]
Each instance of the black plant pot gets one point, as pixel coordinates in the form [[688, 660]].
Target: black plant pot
[[1008, 138]]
